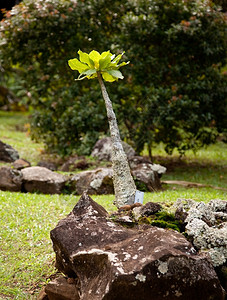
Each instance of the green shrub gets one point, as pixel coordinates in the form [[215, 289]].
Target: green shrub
[[177, 49], [173, 91]]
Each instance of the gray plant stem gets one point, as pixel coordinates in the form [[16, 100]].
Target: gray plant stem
[[124, 185]]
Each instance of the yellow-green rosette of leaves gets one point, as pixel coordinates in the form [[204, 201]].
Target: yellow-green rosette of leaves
[[105, 63]]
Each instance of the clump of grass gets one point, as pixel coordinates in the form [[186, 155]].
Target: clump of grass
[[26, 256]]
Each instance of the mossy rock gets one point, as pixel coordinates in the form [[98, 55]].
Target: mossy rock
[[163, 219]]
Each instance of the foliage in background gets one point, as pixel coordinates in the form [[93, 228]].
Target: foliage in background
[[174, 90], [177, 49]]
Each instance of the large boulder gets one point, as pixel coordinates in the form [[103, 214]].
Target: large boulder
[[206, 225], [114, 262], [8, 153], [103, 149], [40, 179], [98, 181], [10, 179]]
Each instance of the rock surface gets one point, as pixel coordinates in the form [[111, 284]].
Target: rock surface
[[144, 174], [206, 225], [113, 262], [99, 181], [139, 161], [60, 289], [8, 153], [40, 179], [103, 148], [21, 163], [10, 179]]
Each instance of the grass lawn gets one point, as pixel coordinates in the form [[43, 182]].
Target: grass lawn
[[26, 254]]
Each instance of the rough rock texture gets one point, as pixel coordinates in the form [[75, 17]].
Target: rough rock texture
[[146, 210], [113, 262], [103, 149], [206, 224], [60, 289], [136, 161], [99, 181], [145, 174], [7, 153], [42, 180], [10, 180], [21, 163]]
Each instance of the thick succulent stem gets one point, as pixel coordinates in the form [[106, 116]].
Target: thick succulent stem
[[124, 185]]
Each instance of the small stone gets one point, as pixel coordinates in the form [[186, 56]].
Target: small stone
[[125, 207], [21, 163]]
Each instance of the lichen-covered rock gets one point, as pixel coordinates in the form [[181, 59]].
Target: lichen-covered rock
[[40, 179], [136, 161], [95, 182], [100, 181], [113, 262], [145, 174], [103, 149], [10, 179], [8, 153], [207, 227]]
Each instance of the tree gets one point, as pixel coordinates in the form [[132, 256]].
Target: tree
[[179, 92], [106, 66]]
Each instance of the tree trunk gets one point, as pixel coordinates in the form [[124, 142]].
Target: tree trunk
[[124, 185]]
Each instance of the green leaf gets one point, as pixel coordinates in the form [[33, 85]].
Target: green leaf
[[123, 64], [95, 56], [104, 62], [115, 73], [118, 58], [87, 74], [84, 58], [107, 77], [106, 53], [75, 64]]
